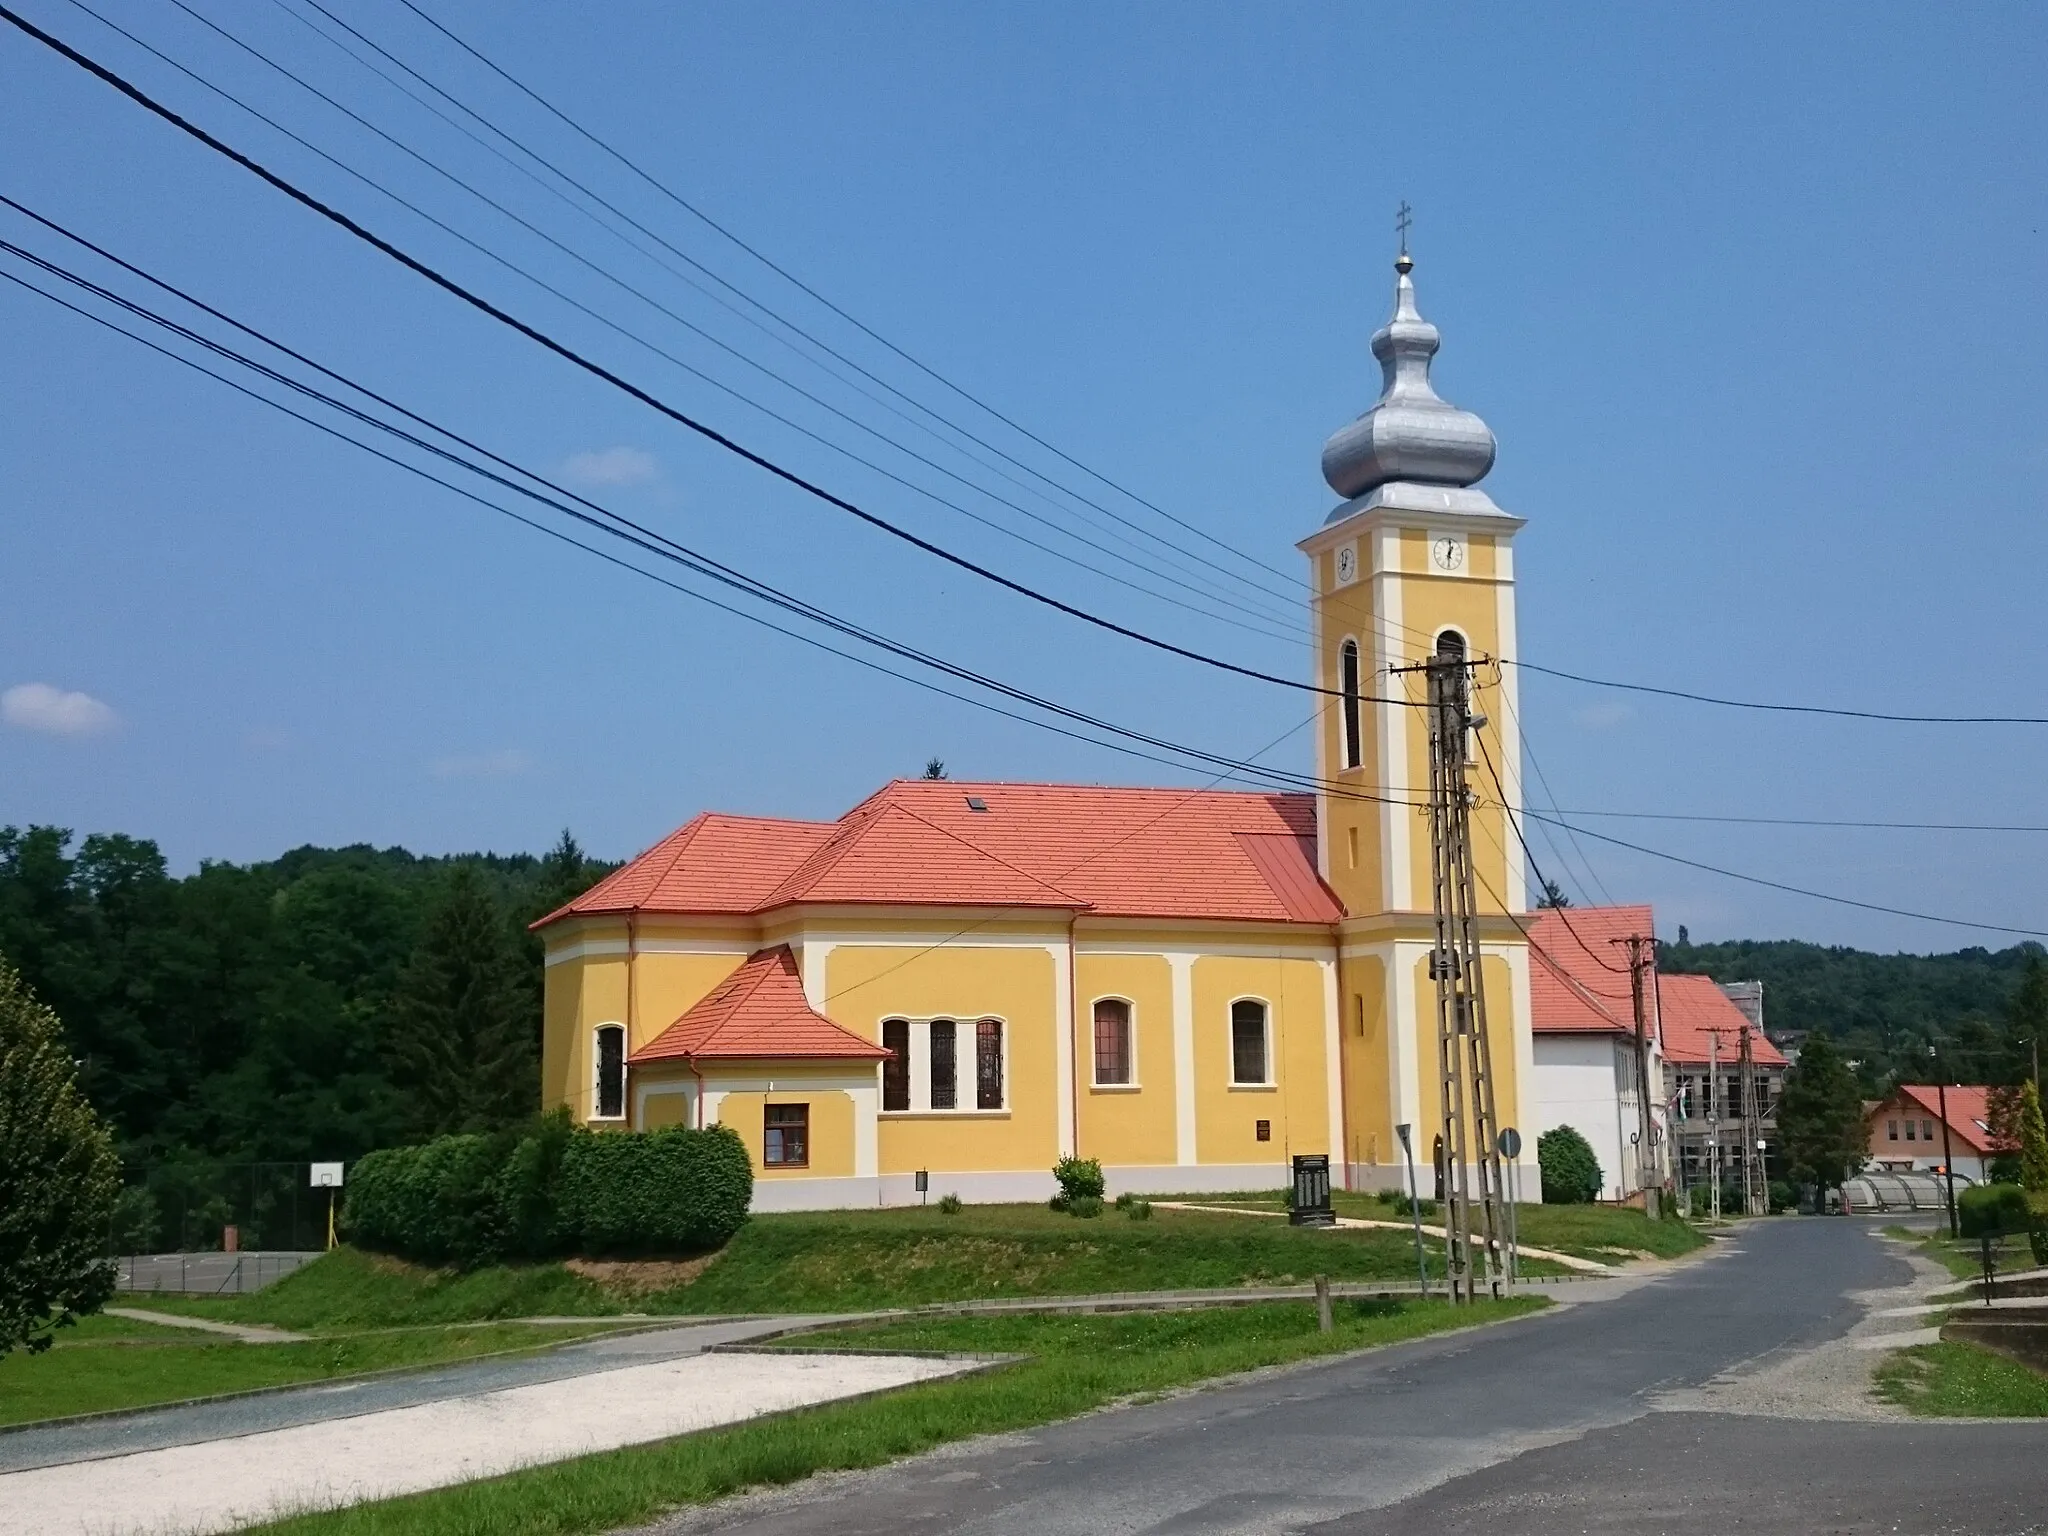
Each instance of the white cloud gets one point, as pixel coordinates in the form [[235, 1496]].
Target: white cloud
[[54, 711], [612, 466], [505, 764], [1602, 717]]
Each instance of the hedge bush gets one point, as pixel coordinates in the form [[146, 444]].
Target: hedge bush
[[1571, 1173], [1993, 1210], [554, 1189]]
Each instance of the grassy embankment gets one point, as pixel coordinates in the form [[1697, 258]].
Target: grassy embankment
[[842, 1261], [1075, 1364], [1961, 1381], [110, 1363]]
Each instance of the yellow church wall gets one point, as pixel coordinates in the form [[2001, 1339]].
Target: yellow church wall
[[831, 1129], [1126, 1126], [867, 983], [1368, 1093], [1296, 1103], [1501, 1030]]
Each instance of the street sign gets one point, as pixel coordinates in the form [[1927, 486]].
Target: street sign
[[1510, 1142], [326, 1176]]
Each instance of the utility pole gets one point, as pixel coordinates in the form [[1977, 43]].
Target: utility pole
[[1642, 960], [1474, 1229], [1714, 1122], [1756, 1193]]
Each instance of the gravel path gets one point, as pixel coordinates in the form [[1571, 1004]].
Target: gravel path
[[216, 1485]]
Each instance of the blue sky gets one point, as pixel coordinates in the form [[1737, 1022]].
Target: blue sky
[[1750, 297]]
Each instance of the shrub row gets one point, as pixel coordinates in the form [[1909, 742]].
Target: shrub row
[[553, 1189]]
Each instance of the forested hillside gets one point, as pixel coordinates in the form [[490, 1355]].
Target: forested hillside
[[1884, 1008], [309, 1008]]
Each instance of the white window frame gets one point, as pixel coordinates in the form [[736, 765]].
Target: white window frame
[[1266, 1084], [1130, 1045], [966, 1057], [597, 1070], [1351, 706]]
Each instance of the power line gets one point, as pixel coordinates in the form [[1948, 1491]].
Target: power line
[[626, 529], [749, 299], [1810, 821], [662, 352], [1797, 890], [618, 381], [695, 212], [1783, 709]]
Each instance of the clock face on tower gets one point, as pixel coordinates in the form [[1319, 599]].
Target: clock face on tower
[[1447, 553], [1347, 564]]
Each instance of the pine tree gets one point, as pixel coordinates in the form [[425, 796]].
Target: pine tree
[[460, 1036], [59, 1178], [1820, 1117], [2033, 1139]]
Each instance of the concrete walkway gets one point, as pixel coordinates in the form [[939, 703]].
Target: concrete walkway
[[1568, 1260], [247, 1333], [219, 1484]]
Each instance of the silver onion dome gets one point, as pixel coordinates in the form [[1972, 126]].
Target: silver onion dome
[[1409, 434]]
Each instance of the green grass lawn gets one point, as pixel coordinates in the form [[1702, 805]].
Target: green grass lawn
[[1961, 1381], [111, 1362], [840, 1261], [1076, 1364]]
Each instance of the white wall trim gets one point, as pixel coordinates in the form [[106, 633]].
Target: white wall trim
[[1307, 945], [1404, 1033], [1065, 1087], [642, 1092], [1390, 650], [1509, 732], [1181, 966], [867, 1136], [813, 955], [579, 949], [1333, 1057]]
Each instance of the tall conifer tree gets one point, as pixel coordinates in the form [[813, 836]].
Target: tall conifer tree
[[1820, 1117], [460, 1036]]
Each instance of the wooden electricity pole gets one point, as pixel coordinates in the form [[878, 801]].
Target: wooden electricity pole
[[1642, 964], [1756, 1190], [1474, 1222]]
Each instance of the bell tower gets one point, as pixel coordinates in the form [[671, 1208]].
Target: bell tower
[[1415, 560]]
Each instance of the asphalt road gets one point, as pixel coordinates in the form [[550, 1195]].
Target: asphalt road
[[1541, 1425]]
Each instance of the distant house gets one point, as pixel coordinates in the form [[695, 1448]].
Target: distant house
[[1703, 1036], [1582, 1024], [1905, 1130]]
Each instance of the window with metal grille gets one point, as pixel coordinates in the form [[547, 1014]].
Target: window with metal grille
[[988, 1064], [786, 1137], [1248, 1041], [896, 1070], [611, 1073], [1347, 668], [1112, 1042], [945, 1064]]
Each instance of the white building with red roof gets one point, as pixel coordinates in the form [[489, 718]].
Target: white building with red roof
[[1906, 1130], [972, 980]]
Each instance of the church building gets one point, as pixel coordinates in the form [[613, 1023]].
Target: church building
[[968, 981]]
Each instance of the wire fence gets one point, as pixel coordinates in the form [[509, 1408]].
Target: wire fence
[[205, 1274], [207, 1207]]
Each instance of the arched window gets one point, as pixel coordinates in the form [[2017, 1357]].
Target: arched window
[[1347, 684], [988, 1064], [1248, 1053], [1451, 645], [608, 1070], [945, 1060], [896, 1070], [1112, 1042]]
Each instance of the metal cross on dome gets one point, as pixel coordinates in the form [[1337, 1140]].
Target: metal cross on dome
[[1404, 218]]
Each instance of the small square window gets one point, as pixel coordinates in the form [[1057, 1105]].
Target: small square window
[[787, 1139], [1891, 1130], [1262, 1130]]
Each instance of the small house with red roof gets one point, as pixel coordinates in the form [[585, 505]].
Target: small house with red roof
[[971, 980], [1589, 1071], [1906, 1130]]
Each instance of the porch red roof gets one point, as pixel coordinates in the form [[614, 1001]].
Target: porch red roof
[[759, 1010]]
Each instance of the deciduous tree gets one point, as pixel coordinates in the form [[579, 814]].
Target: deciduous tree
[[1820, 1117], [59, 1178]]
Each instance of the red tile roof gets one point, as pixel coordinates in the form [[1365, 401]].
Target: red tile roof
[[1694, 1011], [1165, 853], [1969, 1113], [710, 865], [1578, 977], [759, 1010]]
